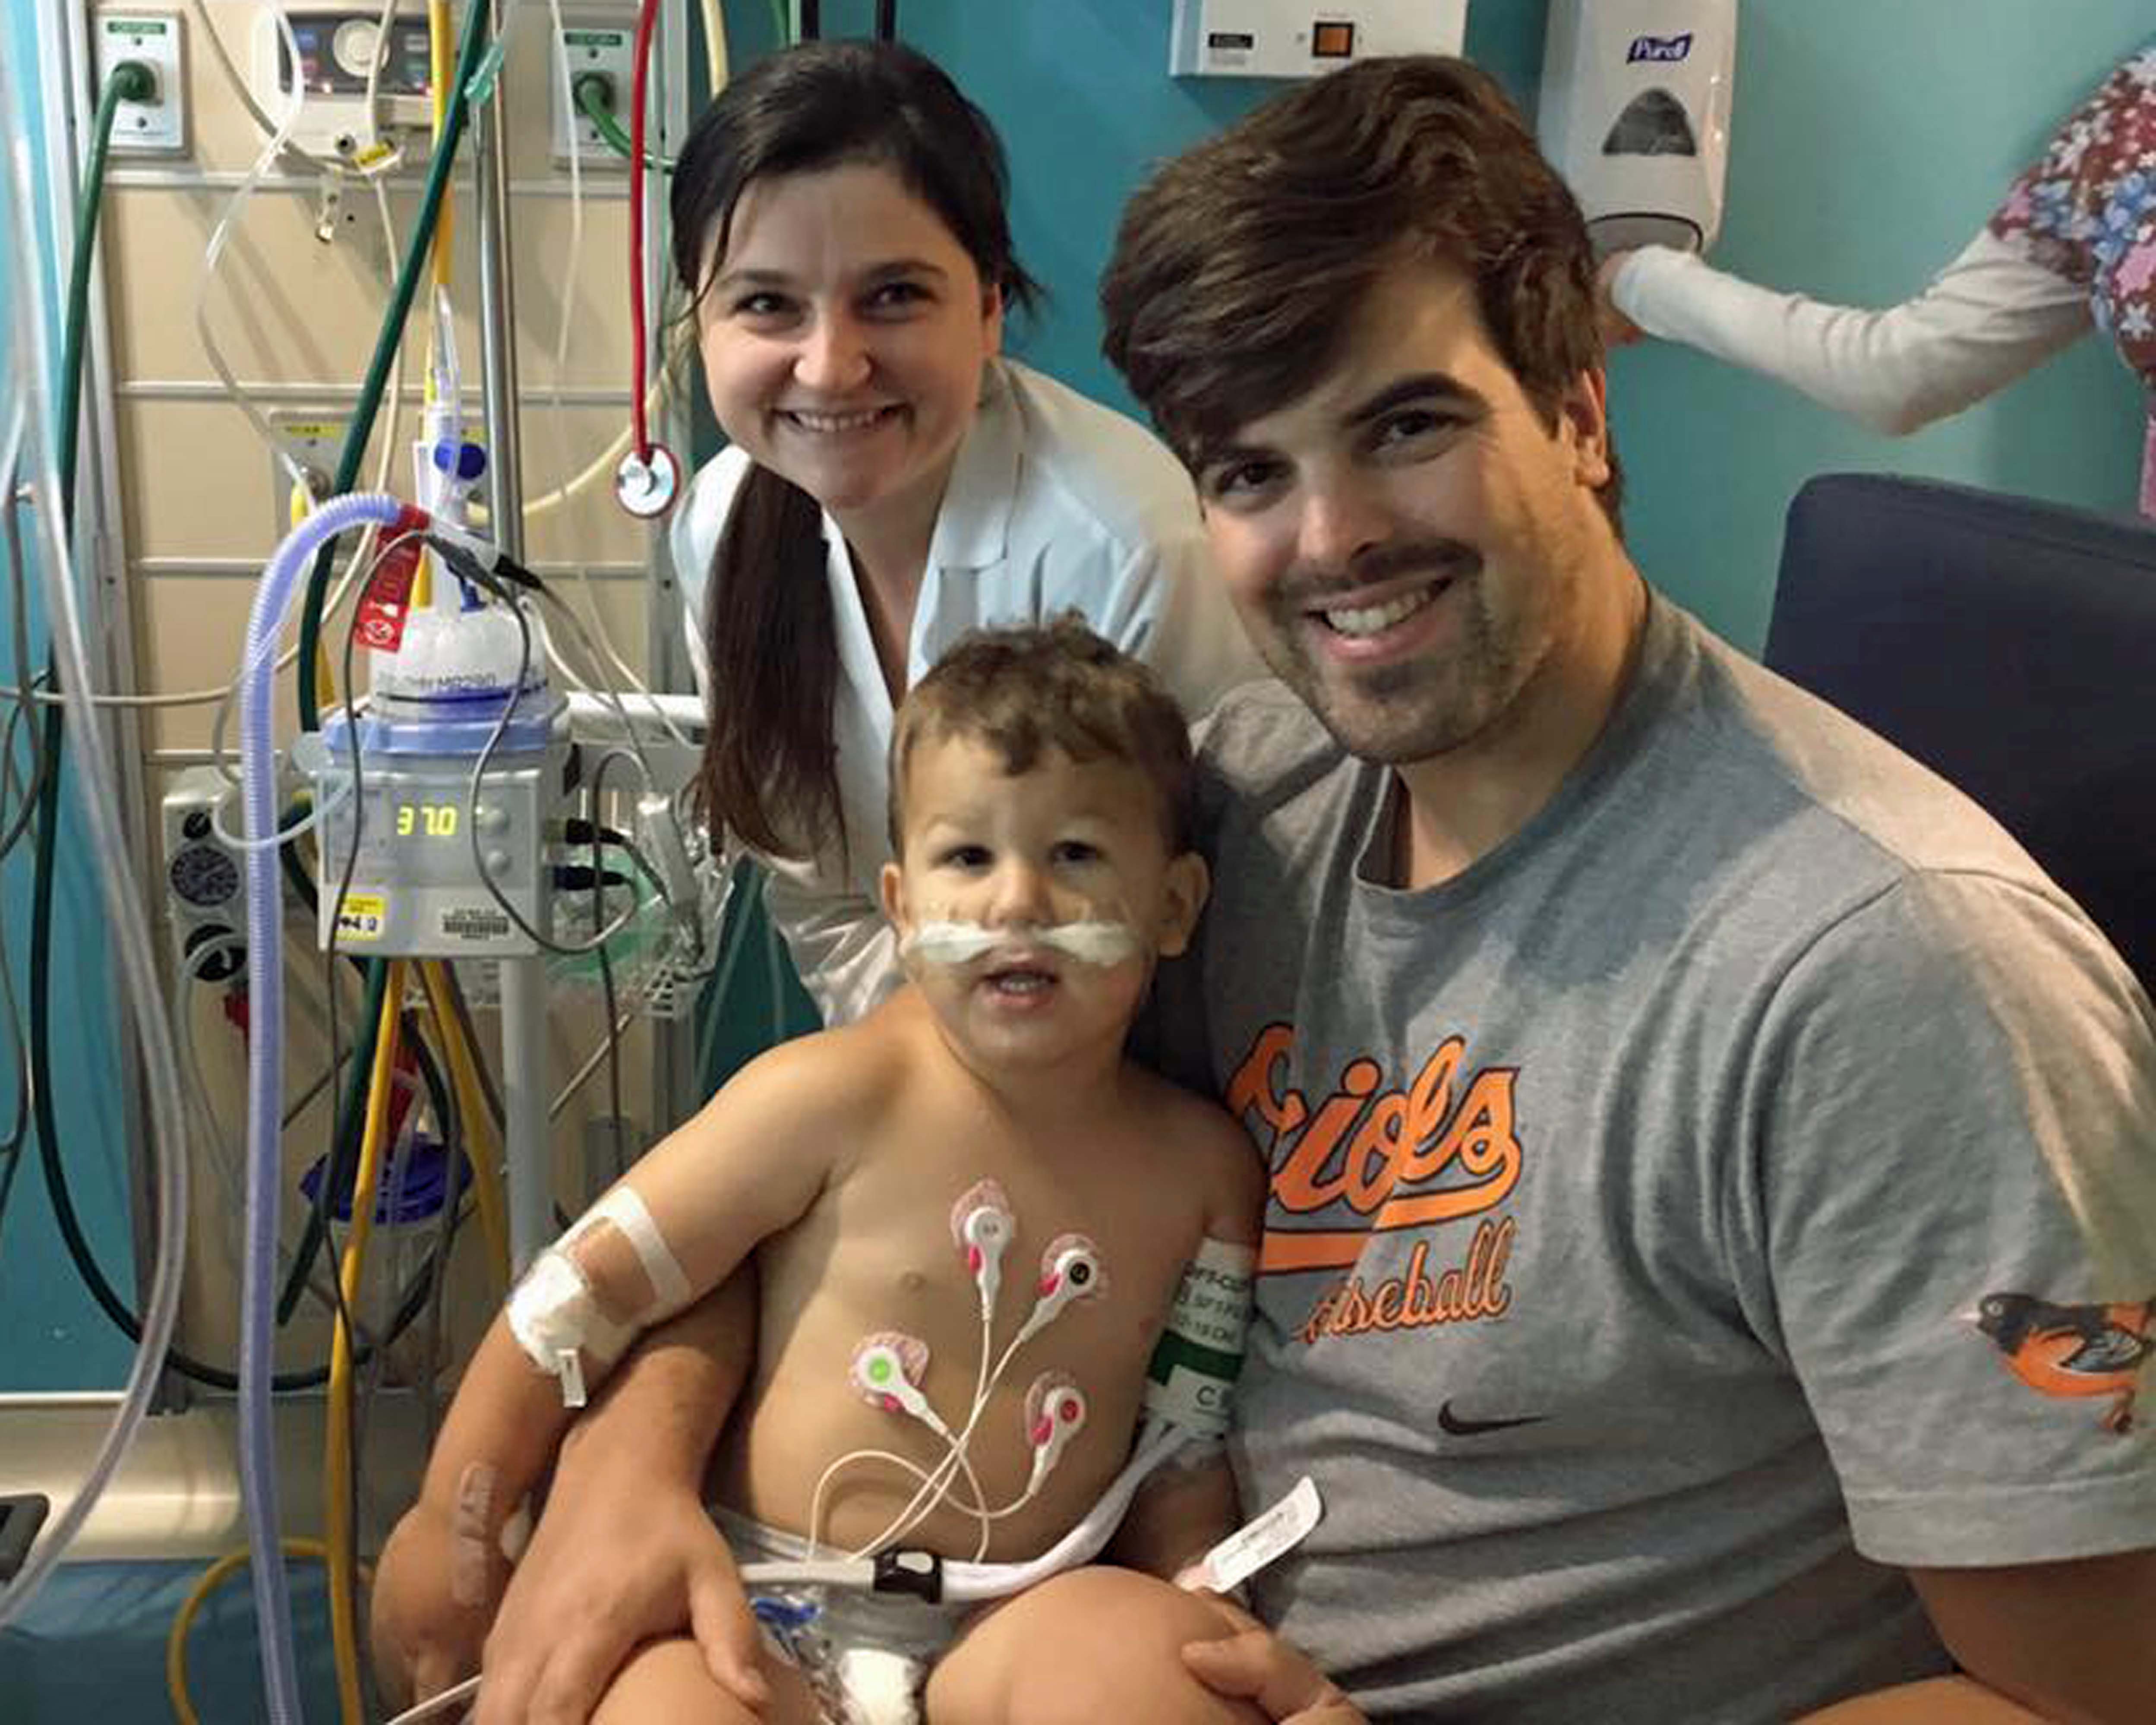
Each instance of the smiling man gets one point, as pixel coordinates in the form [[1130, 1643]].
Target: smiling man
[[1659, 1075]]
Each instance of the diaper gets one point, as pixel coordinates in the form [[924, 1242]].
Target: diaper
[[866, 1655]]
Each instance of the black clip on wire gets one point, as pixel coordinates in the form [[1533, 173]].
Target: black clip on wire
[[919, 1574], [489, 572]]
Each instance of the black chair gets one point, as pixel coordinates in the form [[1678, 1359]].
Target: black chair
[[2009, 645]]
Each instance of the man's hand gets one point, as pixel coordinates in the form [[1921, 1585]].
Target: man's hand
[[618, 1558], [1257, 1666], [435, 1588]]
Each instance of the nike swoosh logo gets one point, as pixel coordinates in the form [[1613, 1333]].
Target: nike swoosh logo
[[1456, 1426]]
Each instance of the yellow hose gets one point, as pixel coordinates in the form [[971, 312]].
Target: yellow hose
[[337, 1460], [478, 1120], [441, 72], [176, 1639]]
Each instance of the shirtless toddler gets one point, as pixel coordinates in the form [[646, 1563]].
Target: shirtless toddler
[[969, 1213]]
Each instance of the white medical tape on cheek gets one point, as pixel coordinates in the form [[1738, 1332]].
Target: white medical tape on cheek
[[953, 943], [1093, 942], [949, 943], [1192, 1380]]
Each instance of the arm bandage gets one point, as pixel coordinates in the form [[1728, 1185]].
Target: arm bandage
[[1192, 1380], [567, 1324]]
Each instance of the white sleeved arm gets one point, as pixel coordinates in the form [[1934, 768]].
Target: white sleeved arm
[[1165, 605], [1992, 314], [843, 948]]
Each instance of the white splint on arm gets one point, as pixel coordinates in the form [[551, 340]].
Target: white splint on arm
[[576, 1330]]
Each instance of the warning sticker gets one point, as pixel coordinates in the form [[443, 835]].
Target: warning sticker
[[363, 916], [387, 602], [480, 925]]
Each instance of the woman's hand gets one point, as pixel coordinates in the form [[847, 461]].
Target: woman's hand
[[435, 1588], [1617, 330]]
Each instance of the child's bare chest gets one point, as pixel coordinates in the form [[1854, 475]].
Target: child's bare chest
[[1061, 1245]]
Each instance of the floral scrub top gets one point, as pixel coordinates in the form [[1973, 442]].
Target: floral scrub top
[[2086, 209]]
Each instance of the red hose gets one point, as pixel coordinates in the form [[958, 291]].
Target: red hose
[[647, 19]]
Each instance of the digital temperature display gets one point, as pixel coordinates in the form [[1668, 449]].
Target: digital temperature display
[[427, 820]]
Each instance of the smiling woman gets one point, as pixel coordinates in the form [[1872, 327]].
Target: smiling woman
[[839, 222]]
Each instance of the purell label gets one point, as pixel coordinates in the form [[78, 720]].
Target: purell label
[[1659, 48]]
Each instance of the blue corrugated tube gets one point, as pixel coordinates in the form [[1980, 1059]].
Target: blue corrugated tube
[[265, 1071]]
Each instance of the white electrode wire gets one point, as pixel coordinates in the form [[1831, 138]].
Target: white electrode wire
[[966, 1583], [128, 927], [914, 1512], [215, 251], [977, 1509], [935, 1488], [938, 1482]]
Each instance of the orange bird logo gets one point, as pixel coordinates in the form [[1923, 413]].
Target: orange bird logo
[[2073, 1350]]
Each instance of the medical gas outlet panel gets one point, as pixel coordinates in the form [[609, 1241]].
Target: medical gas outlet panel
[[340, 48], [205, 895], [428, 853], [1295, 38]]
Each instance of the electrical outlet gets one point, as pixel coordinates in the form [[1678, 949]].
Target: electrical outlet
[[606, 48], [158, 126], [315, 442]]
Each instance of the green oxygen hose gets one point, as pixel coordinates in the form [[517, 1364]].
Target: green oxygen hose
[[595, 95], [131, 81]]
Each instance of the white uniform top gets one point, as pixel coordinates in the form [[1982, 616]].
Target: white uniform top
[[1989, 315], [1054, 503]]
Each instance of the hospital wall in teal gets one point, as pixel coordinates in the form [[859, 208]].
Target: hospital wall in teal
[[54, 1338], [1869, 143]]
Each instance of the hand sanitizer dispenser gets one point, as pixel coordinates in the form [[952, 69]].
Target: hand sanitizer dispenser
[[1635, 114]]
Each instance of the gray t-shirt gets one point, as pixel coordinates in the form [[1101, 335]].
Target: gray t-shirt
[[1633, 1197]]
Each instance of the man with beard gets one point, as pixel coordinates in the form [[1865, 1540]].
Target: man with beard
[[1658, 1073]]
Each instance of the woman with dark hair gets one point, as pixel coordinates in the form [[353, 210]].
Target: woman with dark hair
[[892, 483], [840, 227]]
